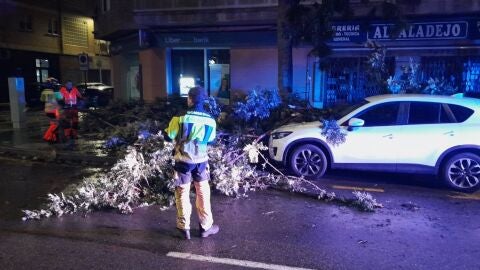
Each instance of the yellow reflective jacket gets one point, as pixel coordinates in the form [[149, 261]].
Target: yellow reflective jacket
[[50, 98], [191, 133]]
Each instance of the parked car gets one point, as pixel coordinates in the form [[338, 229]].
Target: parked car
[[96, 94], [392, 133]]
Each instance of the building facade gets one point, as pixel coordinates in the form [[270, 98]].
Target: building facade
[[161, 48], [43, 39]]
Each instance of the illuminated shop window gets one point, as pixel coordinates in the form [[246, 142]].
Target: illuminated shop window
[[42, 66], [209, 68], [187, 70]]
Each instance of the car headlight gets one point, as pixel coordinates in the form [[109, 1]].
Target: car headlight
[[280, 135]]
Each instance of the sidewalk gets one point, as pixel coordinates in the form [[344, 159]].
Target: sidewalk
[[27, 143]]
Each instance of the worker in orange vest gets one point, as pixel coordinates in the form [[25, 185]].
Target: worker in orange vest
[[50, 97], [70, 96]]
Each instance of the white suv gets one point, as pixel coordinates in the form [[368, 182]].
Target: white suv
[[392, 133]]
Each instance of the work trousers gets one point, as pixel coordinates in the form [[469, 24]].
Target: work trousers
[[70, 123], [202, 202]]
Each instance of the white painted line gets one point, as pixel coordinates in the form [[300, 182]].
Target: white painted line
[[358, 188], [244, 263], [463, 196]]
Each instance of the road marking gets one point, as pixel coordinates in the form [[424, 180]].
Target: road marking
[[359, 188], [244, 263], [462, 196]]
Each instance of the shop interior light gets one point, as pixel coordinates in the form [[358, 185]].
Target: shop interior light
[[185, 84]]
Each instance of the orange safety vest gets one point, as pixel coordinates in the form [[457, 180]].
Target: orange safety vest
[[70, 97]]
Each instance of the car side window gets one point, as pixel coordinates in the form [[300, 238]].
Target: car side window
[[461, 113], [385, 114], [424, 113], [446, 115]]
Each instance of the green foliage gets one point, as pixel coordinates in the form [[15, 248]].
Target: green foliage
[[212, 107], [411, 82], [376, 67], [440, 87], [257, 105], [311, 23], [333, 133], [408, 82]]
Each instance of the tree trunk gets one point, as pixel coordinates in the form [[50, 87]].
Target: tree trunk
[[284, 45]]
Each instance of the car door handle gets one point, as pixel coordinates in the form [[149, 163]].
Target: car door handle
[[390, 136], [451, 133]]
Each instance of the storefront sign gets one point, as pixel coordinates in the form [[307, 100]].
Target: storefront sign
[[175, 40], [216, 39], [420, 31], [347, 32]]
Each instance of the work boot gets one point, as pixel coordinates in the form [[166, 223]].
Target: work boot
[[206, 233], [184, 233]]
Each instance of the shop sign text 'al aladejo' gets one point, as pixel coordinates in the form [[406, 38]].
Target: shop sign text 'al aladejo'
[[420, 31], [414, 30]]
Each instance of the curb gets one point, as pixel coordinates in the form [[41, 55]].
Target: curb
[[55, 156]]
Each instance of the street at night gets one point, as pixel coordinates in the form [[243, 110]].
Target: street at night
[[421, 226], [239, 134]]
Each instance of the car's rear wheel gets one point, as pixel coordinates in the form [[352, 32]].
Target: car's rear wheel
[[308, 161], [462, 172]]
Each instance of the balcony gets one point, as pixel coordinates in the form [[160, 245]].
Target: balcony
[[177, 5], [202, 14]]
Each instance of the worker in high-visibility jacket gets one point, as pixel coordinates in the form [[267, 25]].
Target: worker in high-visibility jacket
[[191, 133], [50, 96], [70, 95]]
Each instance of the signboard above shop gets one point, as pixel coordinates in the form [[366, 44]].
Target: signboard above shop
[[415, 30], [209, 39], [420, 31]]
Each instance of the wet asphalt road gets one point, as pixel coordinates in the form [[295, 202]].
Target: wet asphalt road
[[422, 226]]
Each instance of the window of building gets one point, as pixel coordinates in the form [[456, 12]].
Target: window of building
[[75, 31], [42, 66], [26, 23], [105, 5], [53, 26]]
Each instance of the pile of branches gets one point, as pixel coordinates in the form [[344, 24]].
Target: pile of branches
[[143, 174], [120, 123]]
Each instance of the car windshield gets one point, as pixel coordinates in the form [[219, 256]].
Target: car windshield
[[342, 111]]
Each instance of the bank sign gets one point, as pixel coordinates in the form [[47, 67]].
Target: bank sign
[[468, 29]]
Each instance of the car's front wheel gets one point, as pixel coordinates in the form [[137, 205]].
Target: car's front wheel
[[308, 161], [462, 172]]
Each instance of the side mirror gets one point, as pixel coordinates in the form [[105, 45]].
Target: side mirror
[[356, 122]]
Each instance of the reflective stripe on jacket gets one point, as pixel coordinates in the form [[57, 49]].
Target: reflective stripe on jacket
[[192, 132]]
